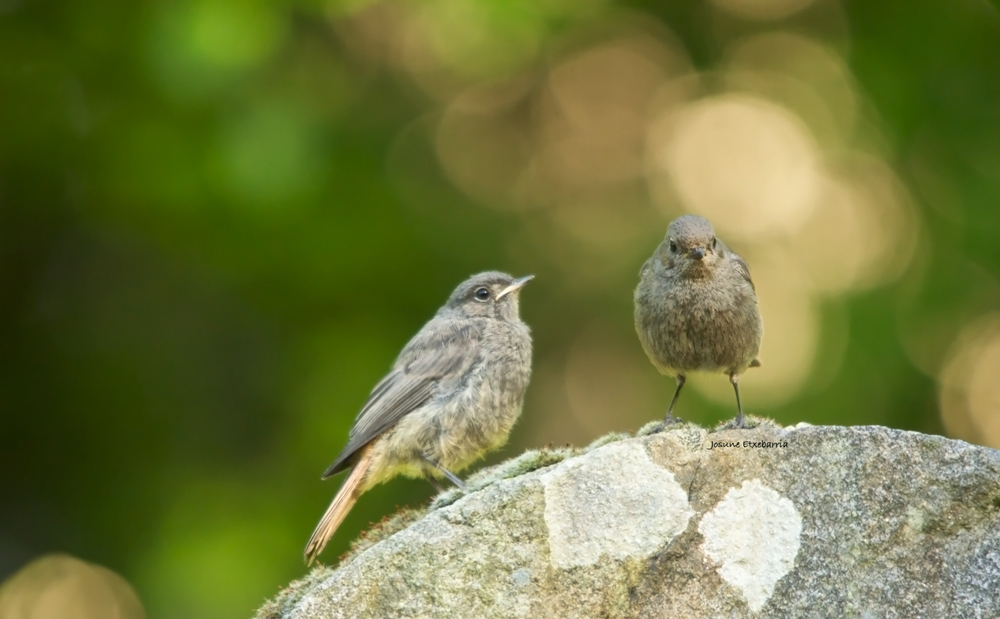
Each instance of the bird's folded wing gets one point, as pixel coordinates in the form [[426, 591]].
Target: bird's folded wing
[[744, 269], [437, 352]]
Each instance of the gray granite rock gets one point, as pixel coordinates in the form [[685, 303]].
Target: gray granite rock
[[772, 522]]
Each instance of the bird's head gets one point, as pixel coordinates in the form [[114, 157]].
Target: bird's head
[[491, 294], [691, 246]]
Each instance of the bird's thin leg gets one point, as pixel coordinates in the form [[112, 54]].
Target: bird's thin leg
[[740, 419], [430, 479], [451, 476], [669, 418]]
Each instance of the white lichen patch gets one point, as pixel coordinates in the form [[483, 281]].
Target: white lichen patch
[[613, 502], [753, 534]]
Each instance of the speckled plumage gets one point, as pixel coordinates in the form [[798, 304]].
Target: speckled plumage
[[696, 307], [452, 395]]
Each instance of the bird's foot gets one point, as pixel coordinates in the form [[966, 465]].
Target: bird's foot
[[741, 422], [659, 426]]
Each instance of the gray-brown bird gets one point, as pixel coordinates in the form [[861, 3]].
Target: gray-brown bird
[[452, 395], [696, 308]]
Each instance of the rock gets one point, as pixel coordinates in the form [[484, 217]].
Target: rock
[[770, 522]]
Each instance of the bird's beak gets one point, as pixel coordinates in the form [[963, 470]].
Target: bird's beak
[[698, 253], [515, 286]]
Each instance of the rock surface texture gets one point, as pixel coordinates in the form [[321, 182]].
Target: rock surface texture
[[769, 522]]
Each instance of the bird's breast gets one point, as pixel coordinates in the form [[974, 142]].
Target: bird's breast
[[697, 324]]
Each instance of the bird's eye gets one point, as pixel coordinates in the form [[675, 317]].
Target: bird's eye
[[714, 242], [673, 247], [482, 294]]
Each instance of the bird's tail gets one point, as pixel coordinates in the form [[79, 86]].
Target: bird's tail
[[341, 504]]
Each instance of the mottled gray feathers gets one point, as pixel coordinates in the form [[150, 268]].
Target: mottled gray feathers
[[431, 355]]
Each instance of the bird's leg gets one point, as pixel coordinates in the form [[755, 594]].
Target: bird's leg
[[669, 418], [451, 476], [434, 482], [740, 419]]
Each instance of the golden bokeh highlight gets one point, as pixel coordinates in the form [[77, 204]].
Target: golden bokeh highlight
[[969, 391], [862, 233], [592, 116], [747, 164], [831, 247], [892, 227], [482, 145], [807, 77], [59, 586], [568, 136]]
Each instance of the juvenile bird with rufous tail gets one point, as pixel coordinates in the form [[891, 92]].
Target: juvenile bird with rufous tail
[[452, 395]]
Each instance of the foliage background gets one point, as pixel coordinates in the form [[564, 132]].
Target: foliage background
[[220, 220]]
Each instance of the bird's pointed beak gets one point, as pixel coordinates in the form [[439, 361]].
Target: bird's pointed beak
[[698, 253], [515, 286]]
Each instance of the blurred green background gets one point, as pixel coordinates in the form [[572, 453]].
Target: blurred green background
[[221, 219]]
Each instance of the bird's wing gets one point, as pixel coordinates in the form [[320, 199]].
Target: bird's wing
[[441, 349], [743, 268], [657, 257]]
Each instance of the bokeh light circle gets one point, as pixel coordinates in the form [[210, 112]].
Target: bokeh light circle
[[969, 392], [745, 163]]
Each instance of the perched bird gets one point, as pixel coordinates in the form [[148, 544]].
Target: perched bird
[[696, 308], [453, 394]]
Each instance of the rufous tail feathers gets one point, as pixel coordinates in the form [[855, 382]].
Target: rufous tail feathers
[[341, 504]]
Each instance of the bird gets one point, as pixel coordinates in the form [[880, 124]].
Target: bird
[[452, 395], [696, 308]]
